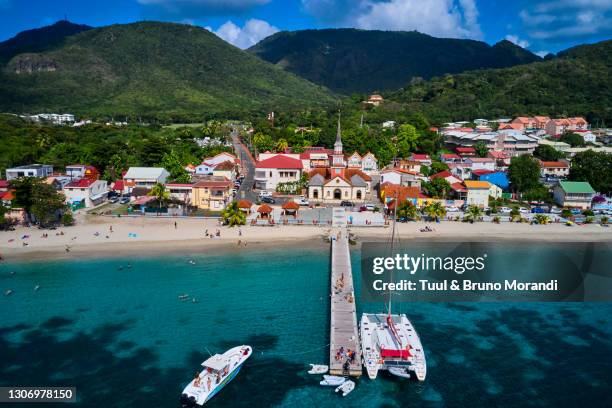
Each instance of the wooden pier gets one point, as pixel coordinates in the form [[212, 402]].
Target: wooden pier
[[343, 317]]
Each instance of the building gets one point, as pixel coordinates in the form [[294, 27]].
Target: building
[[226, 169], [32, 170], [409, 165], [502, 159], [450, 158], [560, 146], [366, 163], [85, 192], [446, 175], [212, 193], [277, 169], [497, 178], [477, 193], [512, 142], [375, 100], [423, 159], [180, 191], [400, 177], [78, 171], [576, 194], [338, 181], [145, 177], [465, 151], [558, 169], [209, 164], [480, 163], [556, 127], [55, 118]]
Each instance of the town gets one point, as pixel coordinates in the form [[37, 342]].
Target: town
[[475, 177]]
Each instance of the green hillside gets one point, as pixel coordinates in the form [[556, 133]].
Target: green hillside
[[349, 60], [577, 82], [150, 69]]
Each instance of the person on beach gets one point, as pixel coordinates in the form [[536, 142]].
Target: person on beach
[[175, 226], [110, 228]]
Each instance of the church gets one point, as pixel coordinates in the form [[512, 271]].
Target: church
[[338, 181]]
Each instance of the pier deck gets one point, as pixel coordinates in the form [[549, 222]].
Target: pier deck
[[343, 317]]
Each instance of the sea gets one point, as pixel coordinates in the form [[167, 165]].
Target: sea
[[117, 331]]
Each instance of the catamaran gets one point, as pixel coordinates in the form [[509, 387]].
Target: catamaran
[[218, 371], [390, 341]]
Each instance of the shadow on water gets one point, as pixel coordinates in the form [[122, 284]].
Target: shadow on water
[[109, 371], [527, 361]]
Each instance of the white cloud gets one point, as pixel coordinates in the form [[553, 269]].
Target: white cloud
[[443, 18], [514, 39], [542, 53], [197, 8], [250, 34]]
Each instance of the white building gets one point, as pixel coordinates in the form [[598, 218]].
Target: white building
[[86, 191], [32, 170], [558, 169], [180, 191], [477, 193], [278, 169], [208, 165], [480, 163], [145, 177], [400, 177]]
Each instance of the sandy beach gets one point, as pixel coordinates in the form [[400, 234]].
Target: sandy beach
[[92, 236]]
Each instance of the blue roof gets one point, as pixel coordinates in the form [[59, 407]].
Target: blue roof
[[499, 178]]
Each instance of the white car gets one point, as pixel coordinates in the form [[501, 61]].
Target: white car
[[523, 210], [452, 209], [302, 201], [370, 207], [504, 210], [555, 210], [265, 193]]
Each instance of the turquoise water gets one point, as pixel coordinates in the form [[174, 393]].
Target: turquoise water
[[124, 339]]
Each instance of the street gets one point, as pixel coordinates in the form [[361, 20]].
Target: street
[[248, 167]]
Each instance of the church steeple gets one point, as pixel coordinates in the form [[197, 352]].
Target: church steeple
[[338, 144]]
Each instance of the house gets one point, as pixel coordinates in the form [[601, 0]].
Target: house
[[446, 175], [327, 186], [477, 193], [556, 127], [400, 177], [212, 193], [578, 194], [481, 122], [225, 169], [480, 163], [32, 170], [180, 191], [209, 164], [513, 142], [557, 169], [145, 177], [450, 158], [502, 159], [277, 169], [465, 151], [497, 178], [588, 136], [78, 171], [409, 165], [85, 192], [369, 163], [560, 146], [391, 194], [541, 122], [375, 100], [523, 123], [423, 159]]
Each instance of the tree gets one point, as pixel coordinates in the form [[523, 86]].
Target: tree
[[594, 167], [541, 219], [473, 213], [407, 210], [232, 215], [47, 203], [547, 153], [437, 167], [171, 162], [407, 138], [537, 193], [281, 145], [481, 149], [524, 173], [160, 193], [437, 188], [574, 139], [435, 210]]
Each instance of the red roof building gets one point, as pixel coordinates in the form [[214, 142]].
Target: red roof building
[[81, 183], [280, 162]]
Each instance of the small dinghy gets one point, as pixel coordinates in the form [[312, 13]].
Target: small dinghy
[[183, 297], [399, 372], [9, 292], [318, 369], [346, 387], [332, 381]]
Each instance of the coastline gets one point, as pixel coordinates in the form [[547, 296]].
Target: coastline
[[142, 237]]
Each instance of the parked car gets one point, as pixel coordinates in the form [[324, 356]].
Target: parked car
[[346, 204], [505, 210], [537, 210], [302, 200], [576, 211], [114, 199], [124, 200], [268, 200], [555, 210], [452, 209], [367, 207], [265, 193], [523, 210]]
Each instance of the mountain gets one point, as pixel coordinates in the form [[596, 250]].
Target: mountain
[[149, 69], [350, 60], [39, 39], [576, 82]]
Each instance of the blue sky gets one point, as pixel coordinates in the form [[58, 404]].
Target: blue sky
[[539, 25]]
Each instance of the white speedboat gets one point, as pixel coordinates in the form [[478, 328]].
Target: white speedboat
[[318, 369], [346, 387], [218, 371], [390, 341], [332, 380]]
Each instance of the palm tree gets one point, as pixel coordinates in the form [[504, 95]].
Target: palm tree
[[281, 145], [435, 210], [160, 193], [232, 215], [540, 219], [407, 210], [473, 213]]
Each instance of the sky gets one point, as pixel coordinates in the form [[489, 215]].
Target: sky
[[541, 26]]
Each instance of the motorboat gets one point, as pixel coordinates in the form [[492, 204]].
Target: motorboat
[[332, 380], [218, 371], [318, 369], [399, 372], [346, 387]]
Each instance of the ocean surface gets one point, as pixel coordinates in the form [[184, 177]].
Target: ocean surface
[[117, 330]]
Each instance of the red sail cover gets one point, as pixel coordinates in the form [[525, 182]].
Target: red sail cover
[[395, 353]]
